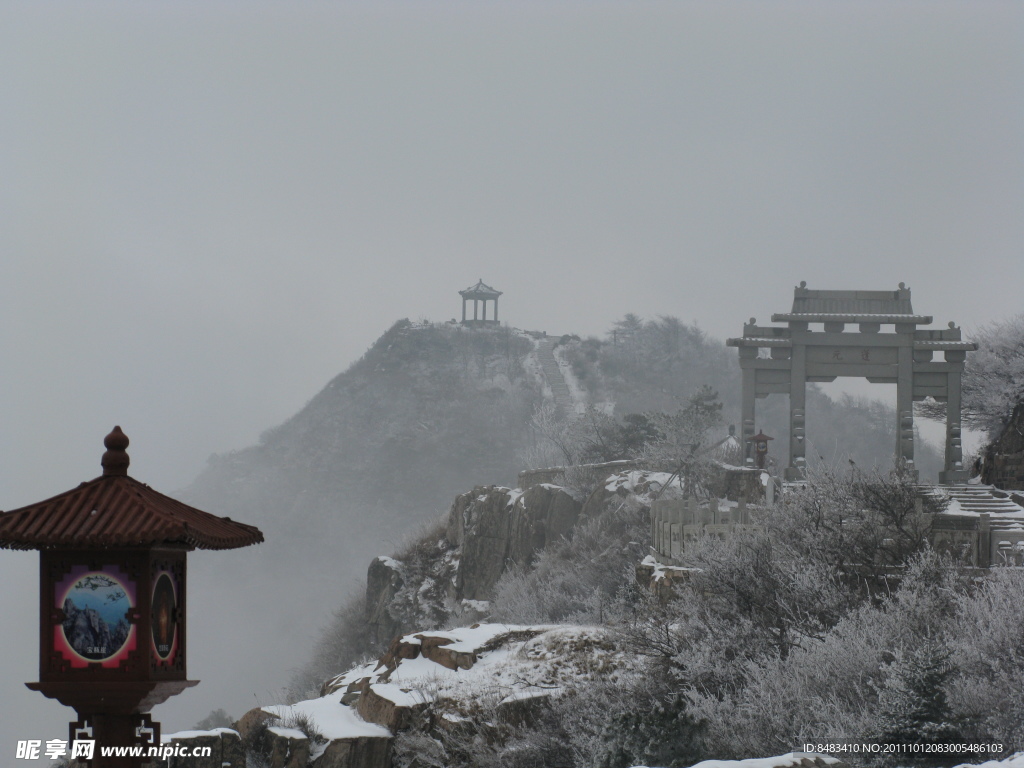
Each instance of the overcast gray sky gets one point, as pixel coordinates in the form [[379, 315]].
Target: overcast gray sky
[[207, 210]]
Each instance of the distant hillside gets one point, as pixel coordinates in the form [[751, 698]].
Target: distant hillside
[[429, 411]]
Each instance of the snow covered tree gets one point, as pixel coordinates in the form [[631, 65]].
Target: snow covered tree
[[753, 581], [993, 381], [988, 650], [684, 439], [651, 731], [859, 523], [994, 377], [912, 702]]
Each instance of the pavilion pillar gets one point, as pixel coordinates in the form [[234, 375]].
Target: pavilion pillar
[[476, 308], [748, 414], [495, 309], [463, 310], [905, 406], [797, 411]]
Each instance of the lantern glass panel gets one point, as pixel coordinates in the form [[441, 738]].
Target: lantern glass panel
[[164, 622], [95, 627]]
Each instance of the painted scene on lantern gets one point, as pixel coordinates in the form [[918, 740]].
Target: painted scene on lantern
[[95, 626], [163, 622]]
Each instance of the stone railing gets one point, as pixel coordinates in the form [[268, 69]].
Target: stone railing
[[676, 521]]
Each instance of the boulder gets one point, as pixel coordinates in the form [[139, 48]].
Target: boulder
[[214, 760], [480, 521], [288, 747], [523, 711], [543, 514], [362, 752], [397, 650], [232, 751], [435, 649], [383, 581], [252, 720], [374, 706]]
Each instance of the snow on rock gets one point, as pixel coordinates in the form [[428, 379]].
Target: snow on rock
[[514, 496], [466, 639], [643, 484], [515, 665], [790, 760], [659, 571], [332, 718]]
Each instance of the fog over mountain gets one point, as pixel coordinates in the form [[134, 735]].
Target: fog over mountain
[[210, 210], [430, 411]]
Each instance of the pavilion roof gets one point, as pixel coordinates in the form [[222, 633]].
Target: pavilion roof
[[115, 510], [480, 289]]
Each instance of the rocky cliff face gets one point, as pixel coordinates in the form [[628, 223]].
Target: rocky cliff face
[[452, 571], [498, 527], [450, 575]]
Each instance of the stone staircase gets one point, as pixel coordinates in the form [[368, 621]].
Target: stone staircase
[[1003, 511], [553, 375], [980, 499]]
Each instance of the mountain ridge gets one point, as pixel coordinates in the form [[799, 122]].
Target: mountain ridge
[[430, 410]]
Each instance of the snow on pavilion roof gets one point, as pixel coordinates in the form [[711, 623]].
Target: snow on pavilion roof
[[480, 289], [115, 510]]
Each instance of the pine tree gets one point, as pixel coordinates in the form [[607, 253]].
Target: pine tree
[[912, 703]]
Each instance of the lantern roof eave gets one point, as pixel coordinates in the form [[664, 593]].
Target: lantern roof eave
[[118, 511]]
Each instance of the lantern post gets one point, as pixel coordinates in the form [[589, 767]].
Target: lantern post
[[112, 600], [760, 444]]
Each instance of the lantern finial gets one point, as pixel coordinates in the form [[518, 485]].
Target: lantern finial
[[115, 461]]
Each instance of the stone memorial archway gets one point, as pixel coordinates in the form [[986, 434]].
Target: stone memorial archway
[[901, 354]]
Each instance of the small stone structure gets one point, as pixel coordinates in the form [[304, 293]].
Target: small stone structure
[[782, 360], [479, 294]]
